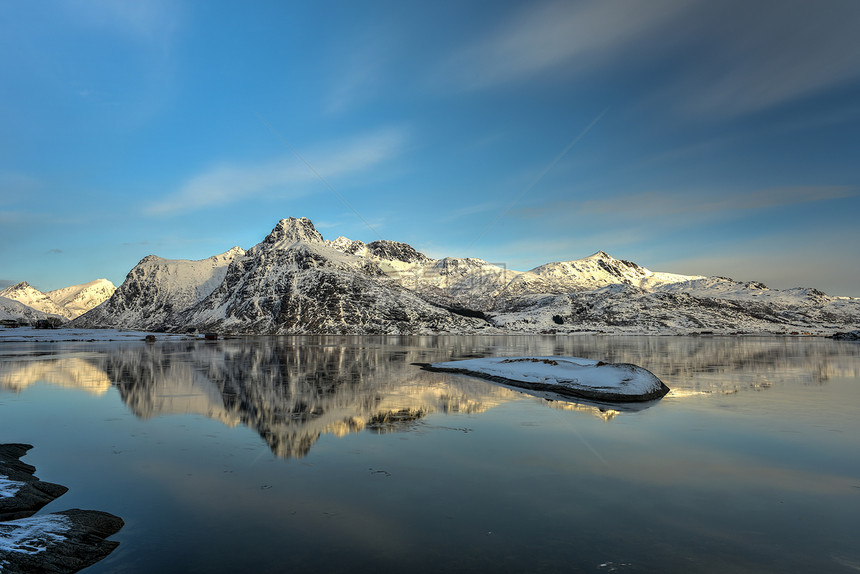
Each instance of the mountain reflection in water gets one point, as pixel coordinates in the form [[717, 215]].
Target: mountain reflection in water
[[292, 390]]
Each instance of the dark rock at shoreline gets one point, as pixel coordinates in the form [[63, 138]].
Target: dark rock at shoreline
[[849, 336], [62, 542], [33, 493]]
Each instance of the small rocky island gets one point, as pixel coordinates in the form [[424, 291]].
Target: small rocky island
[[568, 376], [60, 542]]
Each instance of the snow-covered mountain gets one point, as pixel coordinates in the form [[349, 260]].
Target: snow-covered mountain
[[462, 283], [78, 299], [156, 290], [64, 304], [295, 281], [593, 272], [28, 295], [12, 310]]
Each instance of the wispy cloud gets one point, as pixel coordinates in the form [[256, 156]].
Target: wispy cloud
[[326, 224], [465, 211], [229, 183], [151, 21], [564, 36], [729, 58], [359, 74], [755, 55], [817, 259], [662, 205]]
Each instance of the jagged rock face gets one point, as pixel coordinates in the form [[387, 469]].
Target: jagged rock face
[[289, 231], [352, 247], [294, 281], [466, 283], [395, 251], [289, 285], [594, 272], [627, 308], [156, 290]]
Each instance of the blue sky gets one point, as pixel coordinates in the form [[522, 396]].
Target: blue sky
[[715, 138]]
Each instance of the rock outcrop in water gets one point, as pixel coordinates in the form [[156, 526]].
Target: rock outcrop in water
[[295, 281], [21, 493], [56, 543], [568, 376]]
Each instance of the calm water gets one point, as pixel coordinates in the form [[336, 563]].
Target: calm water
[[336, 454]]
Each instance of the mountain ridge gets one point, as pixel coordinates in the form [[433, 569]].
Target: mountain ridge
[[296, 281], [60, 304]]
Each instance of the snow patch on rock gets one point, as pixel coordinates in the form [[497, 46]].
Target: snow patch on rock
[[34, 534], [565, 375]]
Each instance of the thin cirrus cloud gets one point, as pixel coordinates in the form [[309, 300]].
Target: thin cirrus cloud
[[151, 21], [556, 35], [757, 55], [685, 208], [229, 183], [662, 204], [729, 58]]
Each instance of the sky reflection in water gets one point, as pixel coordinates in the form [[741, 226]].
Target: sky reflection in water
[[750, 464]]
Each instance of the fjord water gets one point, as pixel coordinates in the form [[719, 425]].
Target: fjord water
[[336, 454]]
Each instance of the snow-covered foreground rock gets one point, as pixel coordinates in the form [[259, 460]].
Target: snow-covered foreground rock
[[572, 376], [21, 492], [61, 542], [295, 281]]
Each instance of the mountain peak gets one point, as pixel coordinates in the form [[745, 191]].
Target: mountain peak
[[601, 255], [19, 285], [397, 251], [291, 230]]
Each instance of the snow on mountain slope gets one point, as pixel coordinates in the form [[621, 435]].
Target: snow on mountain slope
[[24, 293], [296, 282], [593, 272], [157, 289], [462, 282], [466, 283], [78, 299], [630, 309], [12, 310]]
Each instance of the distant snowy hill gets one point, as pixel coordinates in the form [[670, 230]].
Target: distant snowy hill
[[28, 295], [12, 310], [78, 299], [593, 272], [66, 303], [295, 281]]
